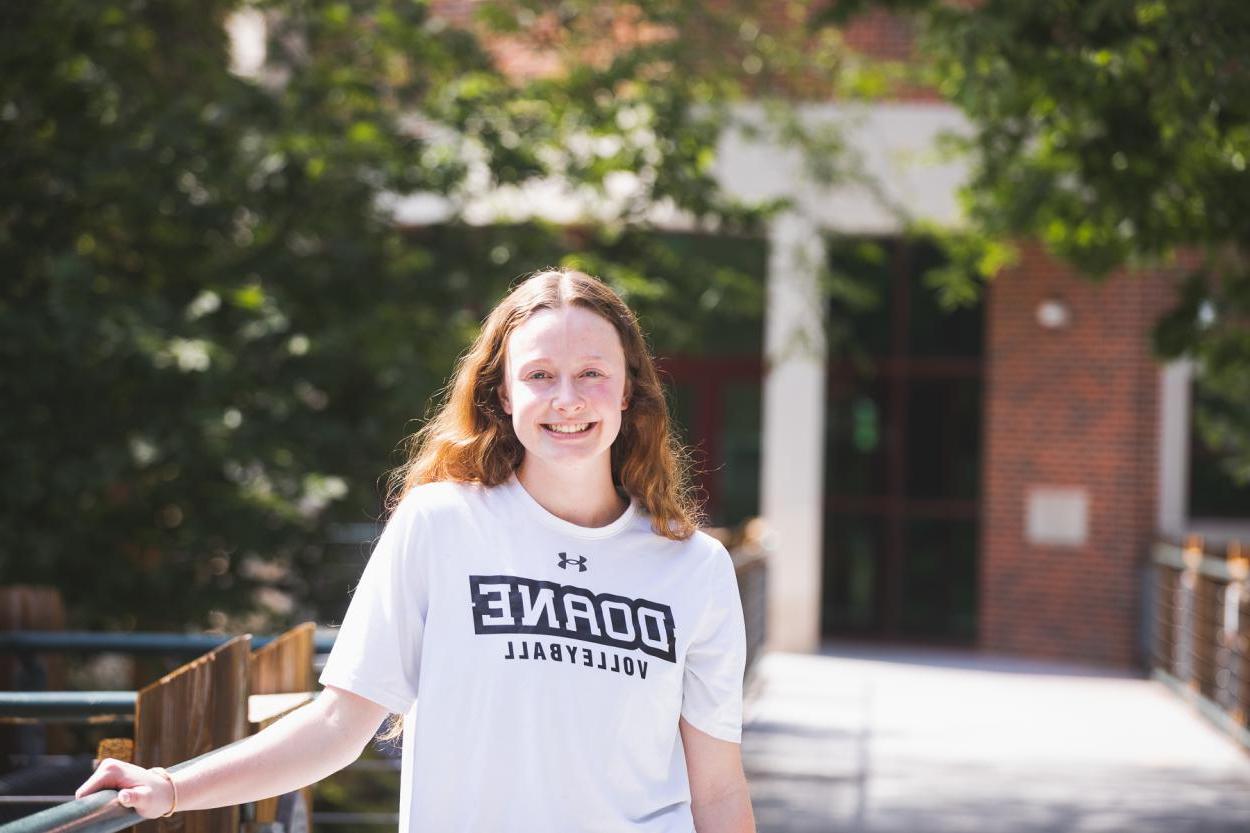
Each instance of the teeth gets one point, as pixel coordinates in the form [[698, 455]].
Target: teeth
[[569, 429]]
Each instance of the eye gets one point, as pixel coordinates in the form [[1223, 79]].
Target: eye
[[594, 373], [537, 374]]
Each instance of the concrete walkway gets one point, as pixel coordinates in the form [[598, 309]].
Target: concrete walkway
[[896, 741]]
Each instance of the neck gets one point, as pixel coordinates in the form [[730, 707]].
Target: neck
[[585, 497]]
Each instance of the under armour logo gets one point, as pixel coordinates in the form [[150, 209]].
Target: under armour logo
[[579, 562]]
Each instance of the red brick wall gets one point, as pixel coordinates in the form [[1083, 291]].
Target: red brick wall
[[884, 36], [1075, 407], [875, 34]]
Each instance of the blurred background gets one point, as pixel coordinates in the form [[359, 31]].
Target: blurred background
[[952, 300]]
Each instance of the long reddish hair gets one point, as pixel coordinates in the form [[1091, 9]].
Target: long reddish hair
[[470, 437]]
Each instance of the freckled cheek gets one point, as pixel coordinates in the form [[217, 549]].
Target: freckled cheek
[[603, 393]]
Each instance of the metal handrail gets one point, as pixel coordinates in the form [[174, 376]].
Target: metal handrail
[[1170, 555], [190, 644], [66, 705], [99, 812]]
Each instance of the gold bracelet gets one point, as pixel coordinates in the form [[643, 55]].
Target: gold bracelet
[[160, 770]]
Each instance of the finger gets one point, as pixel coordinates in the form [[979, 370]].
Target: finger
[[98, 781], [134, 796], [140, 799], [110, 773]]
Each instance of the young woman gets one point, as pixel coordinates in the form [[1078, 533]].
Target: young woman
[[565, 647]]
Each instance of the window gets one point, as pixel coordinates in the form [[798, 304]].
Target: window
[[1213, 492]]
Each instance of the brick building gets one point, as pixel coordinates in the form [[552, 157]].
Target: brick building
[[991, 477], [1070, 473], [997, 476]]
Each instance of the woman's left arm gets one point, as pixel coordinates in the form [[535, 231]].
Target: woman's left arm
[[719, 799]]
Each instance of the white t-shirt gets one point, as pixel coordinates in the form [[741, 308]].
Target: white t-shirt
[[542, 666]]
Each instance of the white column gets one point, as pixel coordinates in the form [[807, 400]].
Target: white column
[[1174, 382], [793, 453]]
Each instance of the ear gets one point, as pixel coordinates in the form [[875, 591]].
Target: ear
[[502, 390]]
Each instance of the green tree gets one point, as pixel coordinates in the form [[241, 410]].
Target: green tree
[[1118, 133], [212, 330]]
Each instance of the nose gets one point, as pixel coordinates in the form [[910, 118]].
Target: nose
[[566, 398]]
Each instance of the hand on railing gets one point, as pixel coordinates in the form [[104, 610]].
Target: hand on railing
[[148, 792]]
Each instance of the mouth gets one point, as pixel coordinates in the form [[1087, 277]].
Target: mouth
[[568, 429]]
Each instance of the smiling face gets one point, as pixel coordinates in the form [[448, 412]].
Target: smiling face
[[565, 387]]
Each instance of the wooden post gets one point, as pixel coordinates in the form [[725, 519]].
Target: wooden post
[[197, 707], [120, 749], [31, 608], [1185, 636], [26, 607], [1165, 631], [1208, 599], [1236, 670], [284, 666]]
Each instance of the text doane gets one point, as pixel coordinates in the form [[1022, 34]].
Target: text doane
[[510, 604]]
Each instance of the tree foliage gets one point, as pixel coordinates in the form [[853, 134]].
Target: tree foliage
[[1118, 133], [213, 331]]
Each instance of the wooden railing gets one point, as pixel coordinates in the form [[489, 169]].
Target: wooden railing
[[1200, 630], [199, 708]]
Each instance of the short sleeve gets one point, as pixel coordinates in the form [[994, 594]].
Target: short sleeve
[[716, 659], [377, 653]]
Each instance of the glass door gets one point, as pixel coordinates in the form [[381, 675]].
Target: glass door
[[903, 450]]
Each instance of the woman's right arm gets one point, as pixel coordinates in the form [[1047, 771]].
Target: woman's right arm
[[303, 747]]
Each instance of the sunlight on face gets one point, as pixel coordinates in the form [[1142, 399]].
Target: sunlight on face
[[564, 386]]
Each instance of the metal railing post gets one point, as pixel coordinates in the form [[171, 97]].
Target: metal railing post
[[1185, 634], [1230, 656]]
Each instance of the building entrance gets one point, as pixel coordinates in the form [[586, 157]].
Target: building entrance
[[903, 450]]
